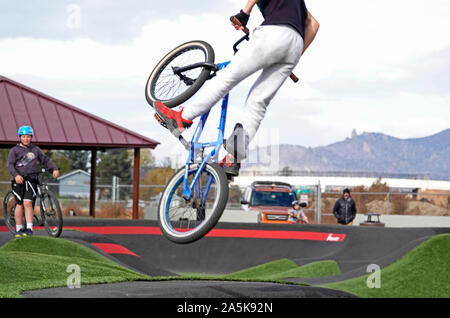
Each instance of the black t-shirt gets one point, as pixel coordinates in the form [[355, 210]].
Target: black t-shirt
[[290, 12]]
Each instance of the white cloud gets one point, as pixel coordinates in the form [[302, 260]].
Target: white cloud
[[360, 38], [363, 49]]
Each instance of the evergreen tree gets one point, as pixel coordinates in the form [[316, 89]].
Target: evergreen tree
[[79, 159], [61, 161], [117, 163], [4, 174]]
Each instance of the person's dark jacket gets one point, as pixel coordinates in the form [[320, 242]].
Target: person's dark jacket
[[22, 160], [344, 210]]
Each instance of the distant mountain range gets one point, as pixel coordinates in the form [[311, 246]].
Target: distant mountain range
[[366, 153]]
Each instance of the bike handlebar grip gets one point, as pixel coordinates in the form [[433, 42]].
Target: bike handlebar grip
[[294, 78], [235, 21]]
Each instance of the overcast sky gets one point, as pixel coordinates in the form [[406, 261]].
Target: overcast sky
[[375, 66]]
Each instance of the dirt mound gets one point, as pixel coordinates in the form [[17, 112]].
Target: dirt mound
[[410, 208], [377, 206], [425, 208]]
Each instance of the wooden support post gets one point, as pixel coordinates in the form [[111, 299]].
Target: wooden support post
[[93, 183], [136, 168]]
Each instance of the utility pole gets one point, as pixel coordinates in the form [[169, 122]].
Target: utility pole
[[318, 215]]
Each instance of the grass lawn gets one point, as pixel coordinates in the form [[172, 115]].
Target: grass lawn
[[42, 262], [422, 272], [285, 268], [39, 262]]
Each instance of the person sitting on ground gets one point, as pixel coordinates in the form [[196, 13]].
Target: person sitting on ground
[[296, 215]]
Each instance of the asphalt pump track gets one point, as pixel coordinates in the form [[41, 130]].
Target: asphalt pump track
[[230, 247]]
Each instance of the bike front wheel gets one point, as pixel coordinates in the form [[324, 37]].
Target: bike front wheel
[[185, 221], [9, 206], [51, 214], [9, 209], [171, 87]]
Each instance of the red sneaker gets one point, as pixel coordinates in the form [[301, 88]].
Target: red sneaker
[[171, 119]]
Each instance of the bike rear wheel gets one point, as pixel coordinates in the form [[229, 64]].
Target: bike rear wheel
[[185, 221], [51, 214], [172, 88]]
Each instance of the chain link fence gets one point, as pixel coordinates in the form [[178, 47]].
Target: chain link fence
[[423, 203], [114, 200]]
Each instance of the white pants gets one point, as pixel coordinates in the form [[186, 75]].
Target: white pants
[[276, 49]]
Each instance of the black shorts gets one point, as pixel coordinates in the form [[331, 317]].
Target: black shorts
[[25, 191]]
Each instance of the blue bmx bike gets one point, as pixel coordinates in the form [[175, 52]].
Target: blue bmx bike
[[195, 197]]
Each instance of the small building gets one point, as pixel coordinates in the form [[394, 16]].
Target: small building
[[58, 125], [75, 184]]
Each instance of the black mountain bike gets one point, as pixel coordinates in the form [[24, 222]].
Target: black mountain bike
[[50, 210]]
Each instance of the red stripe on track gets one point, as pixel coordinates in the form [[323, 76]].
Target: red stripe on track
[[114, 249], [281, 235], [238, 233]]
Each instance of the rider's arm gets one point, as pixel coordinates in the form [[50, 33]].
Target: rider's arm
[[304, 217], [11, 163], [249, 6], [335, 209], [241, 19], [311, 28], [353, 211], [46, 161]]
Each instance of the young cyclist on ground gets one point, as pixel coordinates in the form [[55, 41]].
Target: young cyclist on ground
[[296, 214], [22, 162], [274, 47]]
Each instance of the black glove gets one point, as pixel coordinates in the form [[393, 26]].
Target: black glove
[[242, 17]]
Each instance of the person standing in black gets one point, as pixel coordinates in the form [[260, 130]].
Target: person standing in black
[[22, 164], [345, 209]]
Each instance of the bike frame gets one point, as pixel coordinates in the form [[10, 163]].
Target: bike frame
[[41, 188], [196, 147]]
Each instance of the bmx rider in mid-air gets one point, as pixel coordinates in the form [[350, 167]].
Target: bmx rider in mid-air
[[275, 48]]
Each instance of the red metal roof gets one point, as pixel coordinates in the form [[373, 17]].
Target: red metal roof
[[57, 124]]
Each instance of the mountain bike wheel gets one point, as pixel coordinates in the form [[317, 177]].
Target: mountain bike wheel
[[9, 206], [183, 221], [175, 88], [51, 214]]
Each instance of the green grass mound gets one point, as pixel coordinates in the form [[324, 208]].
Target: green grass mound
[[285, 268], [422, 272], [41, 262]]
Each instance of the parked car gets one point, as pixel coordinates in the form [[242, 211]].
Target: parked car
[[273, 200]]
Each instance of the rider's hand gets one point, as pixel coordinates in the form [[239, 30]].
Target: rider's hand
[[55, 174], [19, 179], [242, 17]]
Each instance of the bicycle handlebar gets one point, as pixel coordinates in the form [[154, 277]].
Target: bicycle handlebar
[[35, 175], [235, 21]]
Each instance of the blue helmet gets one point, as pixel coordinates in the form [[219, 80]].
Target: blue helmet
[[25, 130]]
